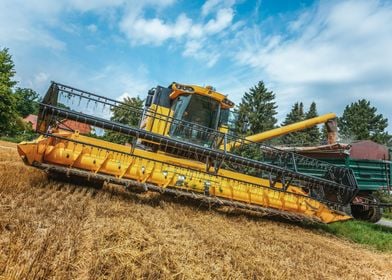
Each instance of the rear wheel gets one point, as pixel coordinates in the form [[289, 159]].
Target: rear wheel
[[367, 213]]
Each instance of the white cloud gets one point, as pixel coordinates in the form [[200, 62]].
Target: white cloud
[[342, 44], [211, 6], [40, 79], [223, 19], [198, 49], [123, 80], [92, 28], [18, 25], [337, 53], [155, 31], [30, 21], [195, 37], [141, 30], [89, 5], [208, 6], [36, 23]]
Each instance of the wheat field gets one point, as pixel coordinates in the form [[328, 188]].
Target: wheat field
[[55, 230]]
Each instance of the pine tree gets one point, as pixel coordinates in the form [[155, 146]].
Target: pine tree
[[295, 115], [313, 135], [259, 107], [360, 121]]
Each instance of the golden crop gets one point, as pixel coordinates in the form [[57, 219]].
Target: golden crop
[[50, 229]]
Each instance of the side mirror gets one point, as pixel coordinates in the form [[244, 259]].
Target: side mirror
[[148, 101], [150, 96]]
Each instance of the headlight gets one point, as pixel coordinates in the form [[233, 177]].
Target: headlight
[[180, 180]]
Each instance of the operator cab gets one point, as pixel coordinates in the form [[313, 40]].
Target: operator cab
[[195, 114]]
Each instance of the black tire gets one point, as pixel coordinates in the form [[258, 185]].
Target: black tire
[[370, 214], [375, 214]]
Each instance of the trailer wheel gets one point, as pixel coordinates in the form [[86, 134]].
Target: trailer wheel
[[376, 215], [370, 214]]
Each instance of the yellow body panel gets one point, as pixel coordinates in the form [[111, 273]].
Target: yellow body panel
[[223, 129], [159, 123], [169, 172]]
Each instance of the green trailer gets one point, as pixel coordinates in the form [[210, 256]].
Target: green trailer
[[371, 175], [372, 167]]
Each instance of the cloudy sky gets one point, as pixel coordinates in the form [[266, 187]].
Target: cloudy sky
[[331, 52]]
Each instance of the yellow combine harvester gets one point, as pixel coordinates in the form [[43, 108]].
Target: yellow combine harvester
[[183, 146]]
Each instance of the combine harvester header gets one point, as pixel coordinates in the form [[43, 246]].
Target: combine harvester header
[[182, 146]]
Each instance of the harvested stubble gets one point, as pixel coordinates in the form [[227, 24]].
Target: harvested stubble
[[55, 230]]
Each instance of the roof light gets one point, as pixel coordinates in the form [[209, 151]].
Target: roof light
[[185, 88]]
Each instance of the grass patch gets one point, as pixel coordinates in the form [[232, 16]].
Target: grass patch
[[376, 236], [19, 138], [387, 215], [386, 197]]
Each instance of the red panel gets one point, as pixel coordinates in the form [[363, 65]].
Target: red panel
[[31, 119], [81, 127], [368, 150]]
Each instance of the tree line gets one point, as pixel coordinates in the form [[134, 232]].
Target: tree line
[[15, 103], [257, 110], [359, 121]]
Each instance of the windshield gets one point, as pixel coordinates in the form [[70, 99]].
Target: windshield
[[201, 112]]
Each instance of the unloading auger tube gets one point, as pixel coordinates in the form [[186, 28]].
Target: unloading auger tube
[[277, 182], [286, 129]]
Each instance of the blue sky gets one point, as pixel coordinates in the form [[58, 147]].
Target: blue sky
[[331, 52]]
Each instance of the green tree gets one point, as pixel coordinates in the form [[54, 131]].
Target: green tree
[[26, 101], [296, 114], [259, 107], [8, 115], [257, 111], [360, 121], [7, 69], [313, 134], [122, 114]]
